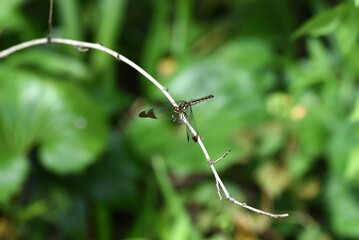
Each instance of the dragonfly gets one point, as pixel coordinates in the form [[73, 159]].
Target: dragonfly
[[177, 114]]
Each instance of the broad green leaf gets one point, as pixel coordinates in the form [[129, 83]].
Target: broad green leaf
[[312, 232], [70, 18], [323, 23], [340, 145], [343, 206], [354, 116], [113, 180], [352, 167], [320, 60], [180, 226], [50, 62], [10, 15], [66, 124], [13, 169], [309, 130], [348, 31], [157, 40], [107, 30]]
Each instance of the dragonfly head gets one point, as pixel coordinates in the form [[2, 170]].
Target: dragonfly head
[[177, 109]]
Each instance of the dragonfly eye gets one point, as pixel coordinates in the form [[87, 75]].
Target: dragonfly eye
[[176, 109]]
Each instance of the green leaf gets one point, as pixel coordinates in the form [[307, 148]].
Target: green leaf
[[50, 62], [10, 14], [13, 169], [322, 23], [107, 29], [340, 144], [343, 207], [70, 18], [157, 40], [312, 232], [352, 167], [180, 226], [61, 118], [348, 31], [354, 116]]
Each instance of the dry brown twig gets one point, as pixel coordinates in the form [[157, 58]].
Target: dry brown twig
[[86, 45]]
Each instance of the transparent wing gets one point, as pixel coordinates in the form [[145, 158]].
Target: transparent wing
[[165, 112], [190, 118]]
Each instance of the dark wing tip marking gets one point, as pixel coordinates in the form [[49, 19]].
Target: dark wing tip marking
[[142, 114], [147, 114]]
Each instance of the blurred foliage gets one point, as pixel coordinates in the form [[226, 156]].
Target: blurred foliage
[[77, 163]]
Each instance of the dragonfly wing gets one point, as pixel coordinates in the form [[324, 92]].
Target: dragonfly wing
[[148, 114], [190, 118], [176, 114], [158, 113]]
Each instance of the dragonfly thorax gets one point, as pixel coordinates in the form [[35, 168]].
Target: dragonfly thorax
[[178, 117]]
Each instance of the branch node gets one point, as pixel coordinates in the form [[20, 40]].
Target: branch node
[[82, 49], [48, 37], [119, 57]]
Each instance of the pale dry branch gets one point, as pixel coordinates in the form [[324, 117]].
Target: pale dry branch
[[87, 45]]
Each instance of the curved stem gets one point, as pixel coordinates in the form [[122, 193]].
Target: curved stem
[[86, 45]]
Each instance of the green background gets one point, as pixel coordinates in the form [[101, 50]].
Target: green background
[[76, 161]]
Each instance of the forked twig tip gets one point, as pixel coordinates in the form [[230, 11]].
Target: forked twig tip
[[221, 157], [281, 215]]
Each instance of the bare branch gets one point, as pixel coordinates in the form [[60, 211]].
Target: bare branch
[[86, 45]]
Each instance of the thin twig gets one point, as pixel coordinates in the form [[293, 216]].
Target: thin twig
[[223, 156], [84, 45], [49, 27]]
